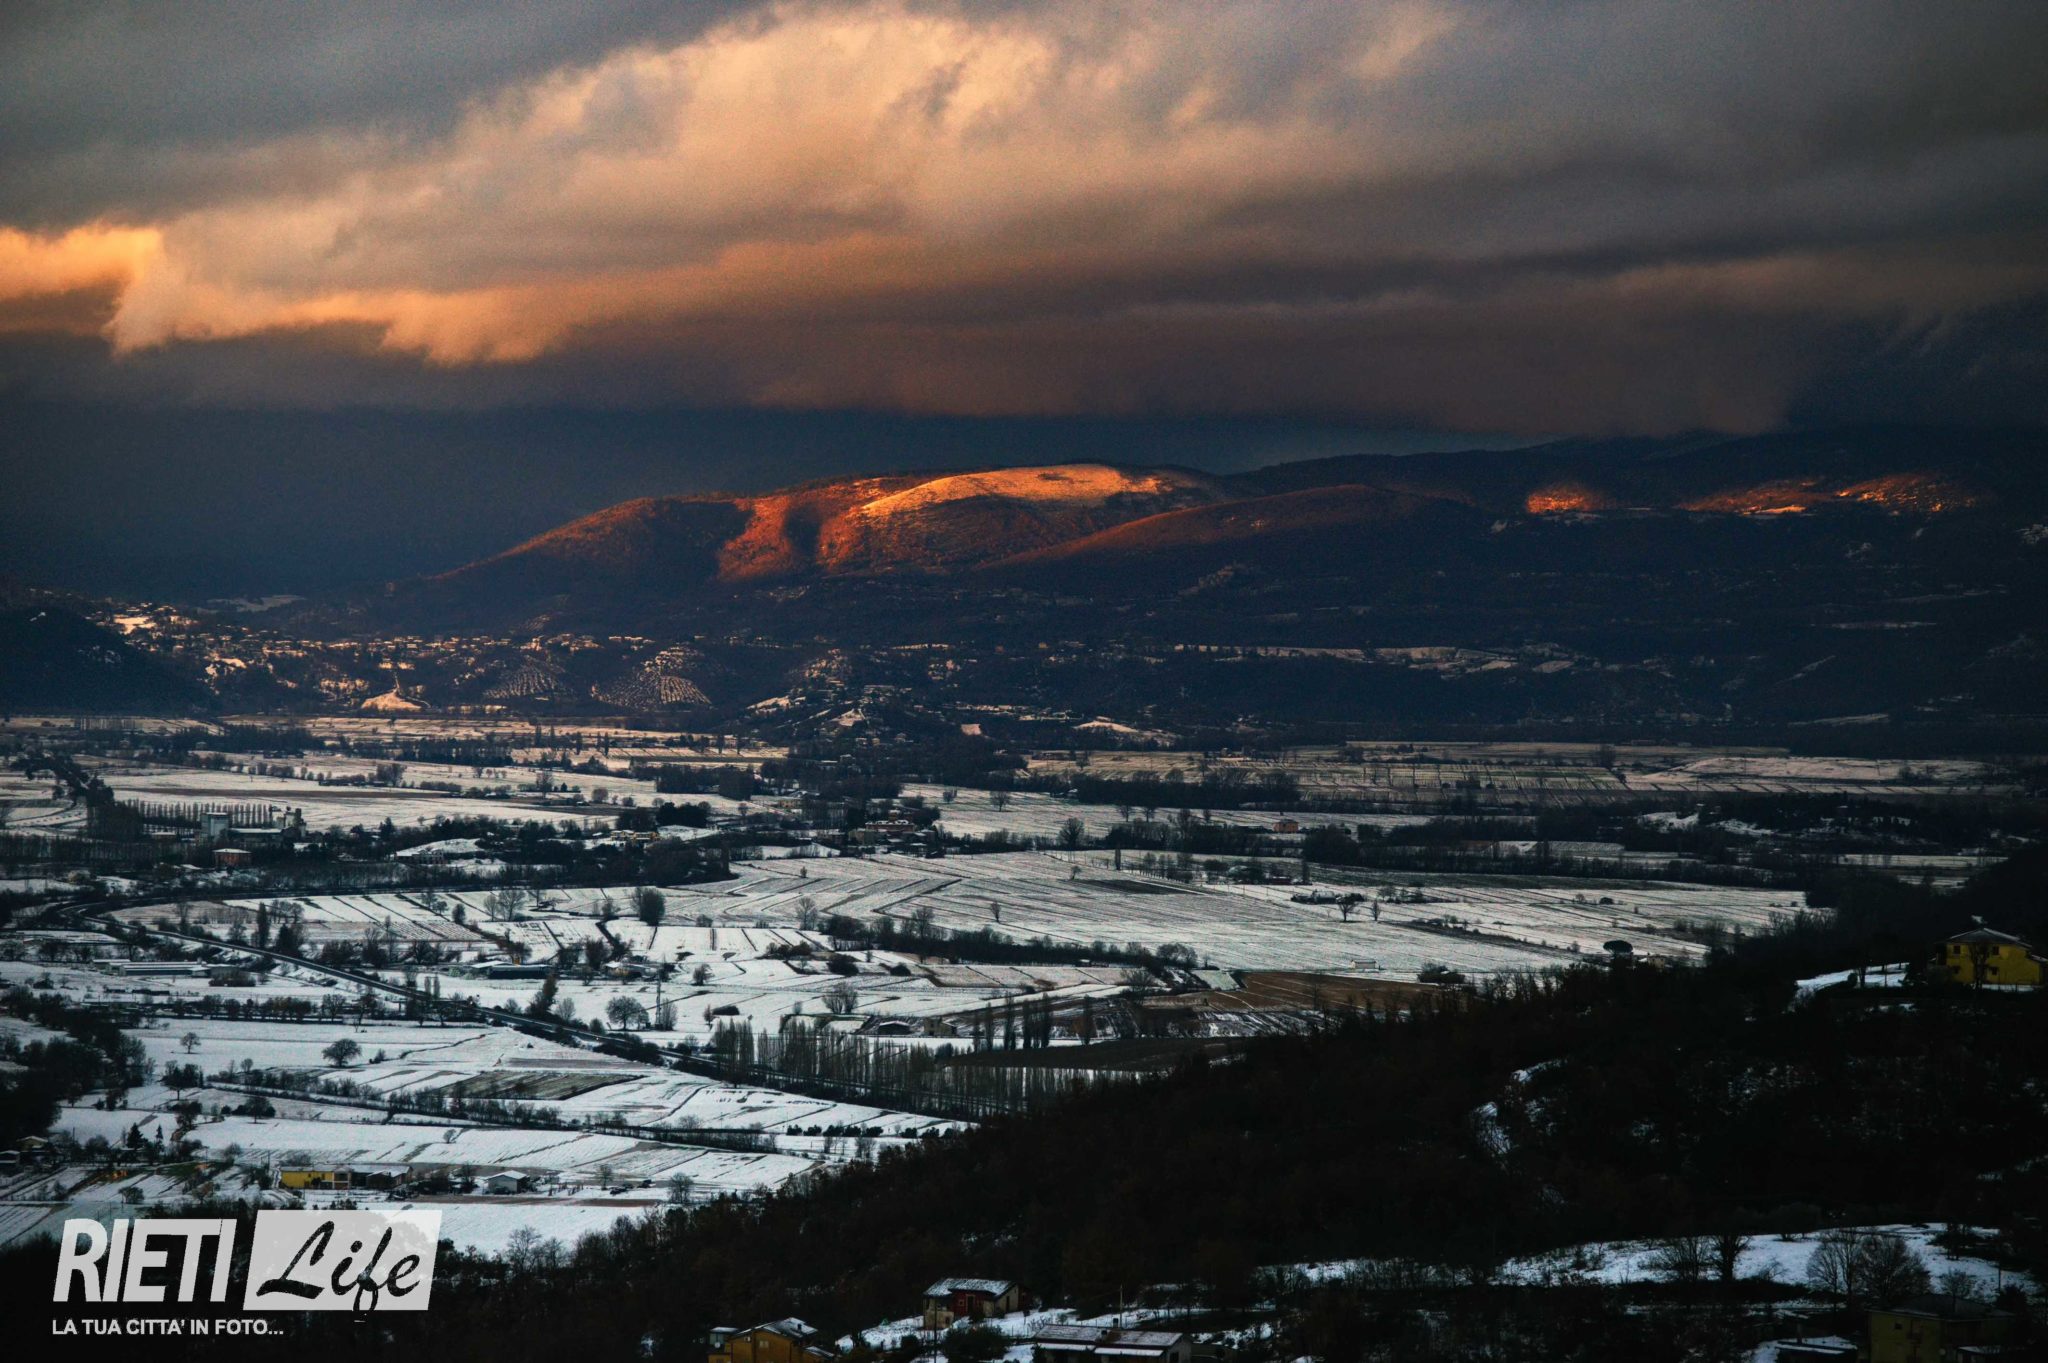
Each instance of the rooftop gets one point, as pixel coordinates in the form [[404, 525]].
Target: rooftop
[[1107, 1337], [1948, 1307], [946, 1287], [1982, 936]]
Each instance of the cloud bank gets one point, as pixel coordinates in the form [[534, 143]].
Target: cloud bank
[[1573, 216]]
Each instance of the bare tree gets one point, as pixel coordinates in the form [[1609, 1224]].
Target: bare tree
[[1729, 1247], [1858, 1266], [1890, 1269], [1683, 1259], [1957, 1284]]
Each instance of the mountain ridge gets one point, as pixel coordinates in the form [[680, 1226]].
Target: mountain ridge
[[648, 557]]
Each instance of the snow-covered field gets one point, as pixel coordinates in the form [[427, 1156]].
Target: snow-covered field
[[35, 806], [1427, 775], [488, 1225], [102, 984], [570, 1157], [328, 807], [497, 1062], [1519, 922], [217, 1044], [1029, 814], [1502, 923]]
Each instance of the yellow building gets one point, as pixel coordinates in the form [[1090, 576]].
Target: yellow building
[[779, 1341], [1981, 956], [1937, 1329], [319, 1180]]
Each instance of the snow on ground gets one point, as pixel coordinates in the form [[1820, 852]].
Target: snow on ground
[[487, 1226], [21, 1031], [105, 984], [38, 1203], [1780, 1258], [1875, 977]]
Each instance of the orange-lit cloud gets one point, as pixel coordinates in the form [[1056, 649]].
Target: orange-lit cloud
[[70, 281], [1428, 210]]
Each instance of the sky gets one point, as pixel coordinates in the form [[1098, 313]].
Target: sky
[[661, 246]]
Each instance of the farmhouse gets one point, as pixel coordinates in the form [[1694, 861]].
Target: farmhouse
[[345, 1178], [951, 1299], [1982, 956], [779, 1341], [316, 1180], [507, 1181], [1108, 1342]]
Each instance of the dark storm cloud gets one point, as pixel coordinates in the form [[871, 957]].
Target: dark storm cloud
[[1593, 215], [133, 108]]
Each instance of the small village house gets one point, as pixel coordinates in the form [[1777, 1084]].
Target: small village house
[[778, 1341], [1984, 956], [1937, 1328], [951, 1299]]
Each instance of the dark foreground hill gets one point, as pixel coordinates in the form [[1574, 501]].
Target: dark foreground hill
[[53, 659]]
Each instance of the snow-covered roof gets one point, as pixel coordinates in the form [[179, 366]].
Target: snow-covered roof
[[1149, 1339], [946, 1287], [790, 1327], [1987, 937], [1108, 1339], [1949, 1307]]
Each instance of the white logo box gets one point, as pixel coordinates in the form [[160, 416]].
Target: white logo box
[[342, 1260]]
